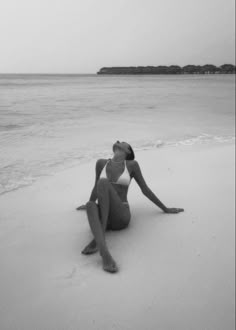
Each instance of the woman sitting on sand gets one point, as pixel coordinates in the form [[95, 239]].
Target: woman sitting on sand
[[112, 212]]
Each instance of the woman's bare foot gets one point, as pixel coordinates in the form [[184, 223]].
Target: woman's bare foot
[[109, 264], [90, 248]]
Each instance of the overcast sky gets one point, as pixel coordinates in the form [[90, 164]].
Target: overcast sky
[[80, 36]]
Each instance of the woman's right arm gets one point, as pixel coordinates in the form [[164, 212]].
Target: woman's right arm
[[93, 195]]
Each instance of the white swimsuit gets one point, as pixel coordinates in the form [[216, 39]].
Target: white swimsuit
[[124, 178]]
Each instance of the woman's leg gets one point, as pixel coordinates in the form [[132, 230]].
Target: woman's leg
[[113, 212], [99, 235], [108, 200], [91, 248]]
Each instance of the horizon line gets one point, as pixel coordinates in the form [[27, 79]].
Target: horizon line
[[48, 73], [95, 73]]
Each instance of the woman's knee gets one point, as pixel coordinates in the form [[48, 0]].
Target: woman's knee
[[92, 209], [102, 183]]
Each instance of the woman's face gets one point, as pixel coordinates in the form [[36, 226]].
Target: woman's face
[[121, 147]]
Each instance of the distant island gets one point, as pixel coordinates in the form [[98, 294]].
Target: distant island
[[172, 69]]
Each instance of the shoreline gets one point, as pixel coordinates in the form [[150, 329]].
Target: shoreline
[[203, 139], [42, 235]]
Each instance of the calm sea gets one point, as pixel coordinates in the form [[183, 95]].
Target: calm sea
[[51, 122]]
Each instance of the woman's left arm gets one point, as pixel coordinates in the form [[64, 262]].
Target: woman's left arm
[[137, 174]]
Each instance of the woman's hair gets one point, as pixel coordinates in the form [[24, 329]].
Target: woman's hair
[[131, 155]]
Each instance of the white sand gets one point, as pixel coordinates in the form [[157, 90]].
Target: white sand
[[176, 271]]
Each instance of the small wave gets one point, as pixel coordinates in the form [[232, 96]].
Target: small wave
[[188, 141], [12, 185], [147, 145], [203, 138], [9, 127]]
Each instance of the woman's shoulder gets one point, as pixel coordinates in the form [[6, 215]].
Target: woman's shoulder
[[131, 165], [101, 162], [132, 162]]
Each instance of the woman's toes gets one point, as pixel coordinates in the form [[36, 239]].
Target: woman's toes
[[110, 268], [90, 249], [109, 265]]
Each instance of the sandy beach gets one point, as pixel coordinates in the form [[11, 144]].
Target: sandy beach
[[176, 272], [77, 78]]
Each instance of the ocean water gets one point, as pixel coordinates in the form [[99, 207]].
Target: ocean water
[[51, 122]]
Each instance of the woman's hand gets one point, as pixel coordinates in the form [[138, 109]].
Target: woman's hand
[[81, 207], [173, 210]]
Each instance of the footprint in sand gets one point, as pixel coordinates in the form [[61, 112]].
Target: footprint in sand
[[75, 276]]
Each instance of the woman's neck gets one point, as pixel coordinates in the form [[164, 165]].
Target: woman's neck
[[118, 159]]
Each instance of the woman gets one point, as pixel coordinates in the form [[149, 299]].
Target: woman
[[112, 181]]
